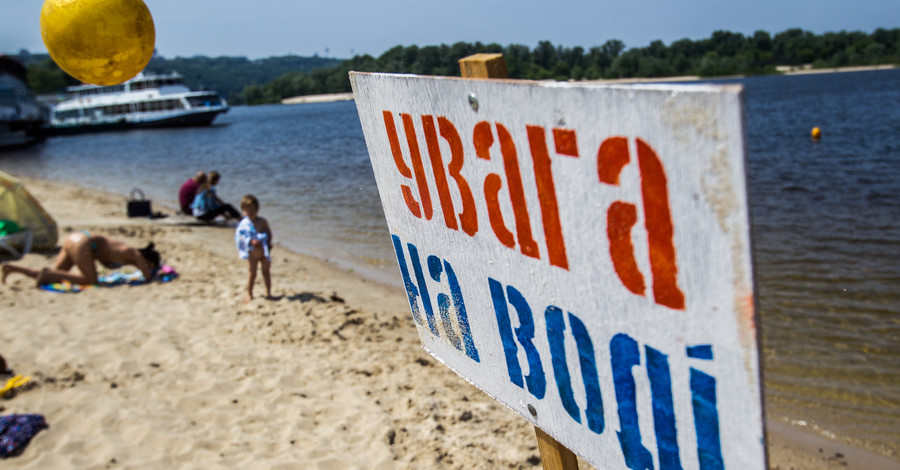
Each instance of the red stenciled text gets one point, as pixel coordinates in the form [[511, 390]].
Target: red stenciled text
[[506, 184]]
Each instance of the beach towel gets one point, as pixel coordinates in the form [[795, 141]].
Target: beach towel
[[244, 233], [16, 432], [115, 278]]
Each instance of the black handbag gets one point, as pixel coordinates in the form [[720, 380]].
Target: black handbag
[[138, 207]]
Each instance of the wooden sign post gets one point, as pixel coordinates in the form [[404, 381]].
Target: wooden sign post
[[483, 66], [554, 456], [581, 253]]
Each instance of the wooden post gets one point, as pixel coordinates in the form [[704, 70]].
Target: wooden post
[[483, 66], [554, 456]]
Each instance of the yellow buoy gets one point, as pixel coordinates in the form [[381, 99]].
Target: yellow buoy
[[104, 42], [816, 133]]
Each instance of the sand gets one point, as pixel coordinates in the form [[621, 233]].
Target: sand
[[326, 98], [330, 375]]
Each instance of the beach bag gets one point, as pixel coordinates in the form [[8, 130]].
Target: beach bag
[[138, 207]]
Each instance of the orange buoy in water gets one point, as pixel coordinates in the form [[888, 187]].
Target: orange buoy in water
[[104, 42], [816, 133]]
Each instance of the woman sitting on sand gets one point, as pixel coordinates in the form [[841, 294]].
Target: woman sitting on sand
[[207, 205], [82, 250]]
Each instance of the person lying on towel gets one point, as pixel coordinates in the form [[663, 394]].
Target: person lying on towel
[[83, 250]]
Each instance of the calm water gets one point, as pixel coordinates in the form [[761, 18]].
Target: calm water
[[826, 233], [308, 165], [824, 214]]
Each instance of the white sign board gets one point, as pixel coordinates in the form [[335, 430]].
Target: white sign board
[[582, 254]]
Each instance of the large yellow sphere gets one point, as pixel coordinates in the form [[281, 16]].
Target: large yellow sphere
[[104, 42]]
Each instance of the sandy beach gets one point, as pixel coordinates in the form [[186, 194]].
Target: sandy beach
[[318, 98], [329, 375]]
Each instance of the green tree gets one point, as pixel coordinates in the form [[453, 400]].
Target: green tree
[[45, 77], [545, 55], [626, 65], [517, 58], [613, 48]]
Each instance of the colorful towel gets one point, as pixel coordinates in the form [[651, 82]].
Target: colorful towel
[[244, 233], [16, 432], [116, 278]]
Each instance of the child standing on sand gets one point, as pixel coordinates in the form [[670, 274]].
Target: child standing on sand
[[253, 238]]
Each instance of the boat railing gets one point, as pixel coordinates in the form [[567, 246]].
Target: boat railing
[[141, 82]]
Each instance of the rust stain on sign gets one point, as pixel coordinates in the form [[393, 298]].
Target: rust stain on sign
[[687, 123]]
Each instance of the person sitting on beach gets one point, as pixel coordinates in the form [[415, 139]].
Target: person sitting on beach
[[207, 205], [82, 250], [188, 191], [253, 239]]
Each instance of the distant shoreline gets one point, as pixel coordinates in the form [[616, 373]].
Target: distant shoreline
[[860, 68], [327, 98], [801, 70]]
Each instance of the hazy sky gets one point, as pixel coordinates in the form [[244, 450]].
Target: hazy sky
[[343, 28]]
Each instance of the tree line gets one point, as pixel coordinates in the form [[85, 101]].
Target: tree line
[[724, 53]]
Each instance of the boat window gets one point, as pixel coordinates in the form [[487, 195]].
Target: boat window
[[69, 114], [204, 101], [114, 109], [103, 90], [159, 105]]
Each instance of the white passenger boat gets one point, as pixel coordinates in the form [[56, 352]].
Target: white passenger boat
[[147, 100]]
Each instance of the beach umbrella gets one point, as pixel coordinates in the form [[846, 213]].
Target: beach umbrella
[[17, 205]]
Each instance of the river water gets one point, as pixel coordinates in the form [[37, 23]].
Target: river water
[[824, 219]]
